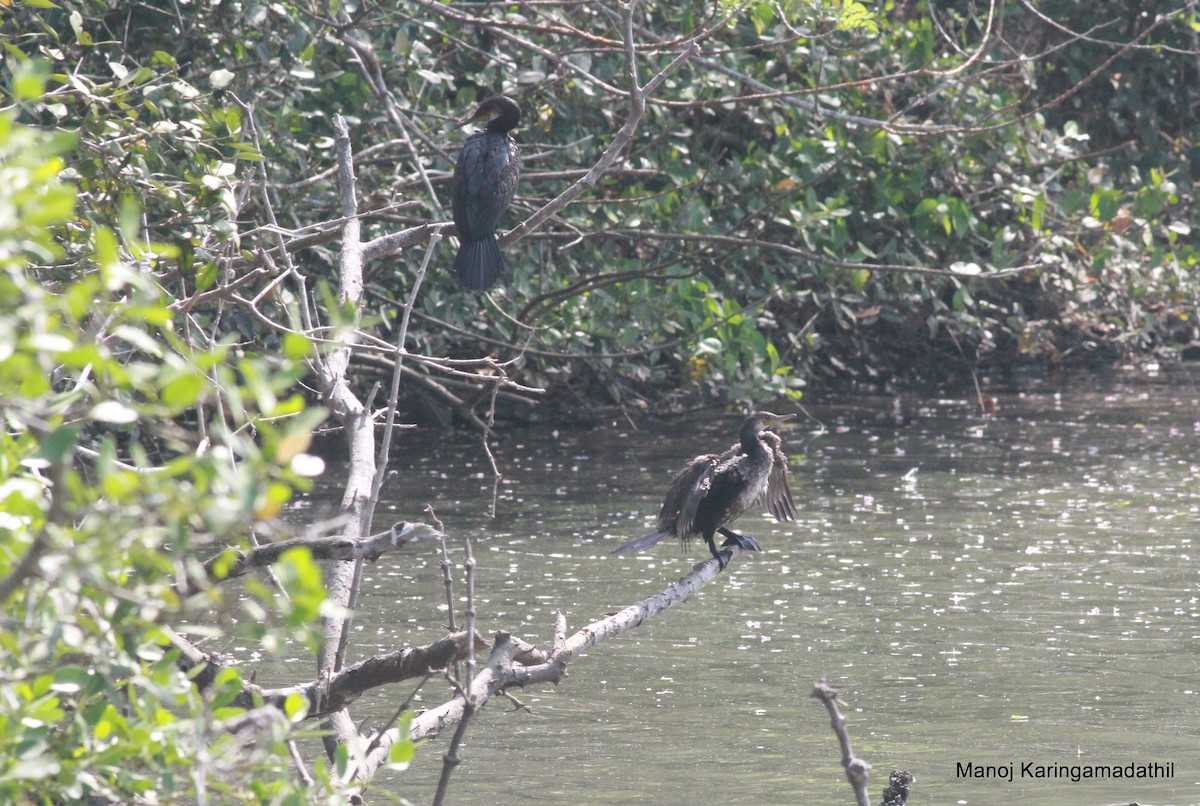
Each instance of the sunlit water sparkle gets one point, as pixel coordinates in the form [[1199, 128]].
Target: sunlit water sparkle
[[984, 589]]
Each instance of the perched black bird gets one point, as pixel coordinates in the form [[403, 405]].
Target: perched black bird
[[485, 179], [713, 490]]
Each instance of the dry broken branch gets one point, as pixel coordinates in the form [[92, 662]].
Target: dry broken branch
[[344, 687], [513, 663], [857, 770], [328, 695], [342, 579], [236, 562]]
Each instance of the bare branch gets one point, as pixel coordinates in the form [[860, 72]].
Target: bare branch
[[857, 770], [451, 759], [343, 578], [235, 562], [512, 663], [329, 695], [347, 685], [637, 107]]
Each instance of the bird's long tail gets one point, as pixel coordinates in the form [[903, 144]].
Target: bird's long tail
[[479, 263], [643, 542]]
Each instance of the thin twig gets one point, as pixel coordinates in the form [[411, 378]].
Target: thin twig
[[452, 758], [447, 578], [381, 462], [857, 770], [298, 763], [400, 709]]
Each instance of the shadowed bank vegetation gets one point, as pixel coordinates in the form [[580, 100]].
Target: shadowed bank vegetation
[[822, 193]]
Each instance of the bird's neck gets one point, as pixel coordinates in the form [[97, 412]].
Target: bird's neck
[[501, 125], [750, 441]]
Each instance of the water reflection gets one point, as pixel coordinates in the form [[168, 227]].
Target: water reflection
[[993, 590]]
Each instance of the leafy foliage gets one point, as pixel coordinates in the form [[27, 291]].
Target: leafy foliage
[[1028, 190], [109, 485]]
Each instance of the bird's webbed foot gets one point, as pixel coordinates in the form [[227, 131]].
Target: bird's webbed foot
[[723, 558], [745, 542]]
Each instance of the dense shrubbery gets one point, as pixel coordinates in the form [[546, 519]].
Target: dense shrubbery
[[95, 371], [1021, 157]]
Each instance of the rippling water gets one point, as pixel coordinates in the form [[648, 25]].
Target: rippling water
[[993, 590]]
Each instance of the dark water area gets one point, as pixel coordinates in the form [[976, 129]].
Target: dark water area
[[984, 590]]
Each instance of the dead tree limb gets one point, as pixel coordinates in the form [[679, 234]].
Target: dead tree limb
[[857, 770], [235, 562], [344, 687], [327, 695], [342, 578], [513, 663]]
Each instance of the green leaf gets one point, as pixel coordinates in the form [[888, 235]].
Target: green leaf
[[130, 217], [296, 347], [226, 687], [295, 706], [29, 79], [206, 278], [34, 385], [1105, 204], [71, 679], [58, 444], [82, 36], [341, 759], [858, 279], [403, 750], [854, 15], [184, 389], [960, 215]]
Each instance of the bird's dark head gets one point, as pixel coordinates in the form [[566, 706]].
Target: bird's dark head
[[499, 113], [765, 419], [754, 425]]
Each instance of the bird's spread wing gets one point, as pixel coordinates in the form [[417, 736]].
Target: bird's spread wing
[[777, 498], [687, 489]]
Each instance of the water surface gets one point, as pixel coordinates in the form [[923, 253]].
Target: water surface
[[987, 590]]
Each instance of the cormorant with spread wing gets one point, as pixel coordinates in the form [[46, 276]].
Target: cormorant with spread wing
[[712, 491], [485, 180]]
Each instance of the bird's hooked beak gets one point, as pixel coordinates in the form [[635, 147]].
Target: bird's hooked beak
[[775, 419], [479, 114]]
